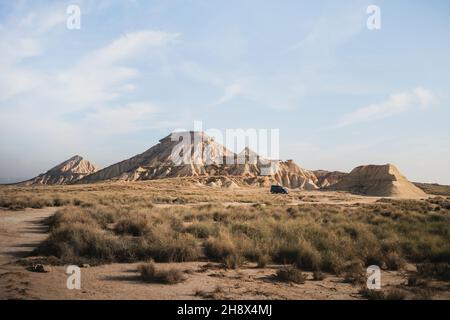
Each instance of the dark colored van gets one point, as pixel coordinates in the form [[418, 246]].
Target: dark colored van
[[278, 189]]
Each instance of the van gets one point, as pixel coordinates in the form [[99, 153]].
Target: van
[[278, 189]]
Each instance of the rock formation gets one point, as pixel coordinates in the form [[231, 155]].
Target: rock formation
[[378, 180], [195, 154], [328, 178], [67, 172]]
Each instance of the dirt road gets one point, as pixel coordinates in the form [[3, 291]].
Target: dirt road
[[20, 232]]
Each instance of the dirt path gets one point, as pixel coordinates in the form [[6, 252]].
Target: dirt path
[[20, 232]]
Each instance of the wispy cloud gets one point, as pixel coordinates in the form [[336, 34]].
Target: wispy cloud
[[396, 103], [130, 117], [278, 92], [16, 46], [336, 26], [104, 75], [231, 91], [90, 98]]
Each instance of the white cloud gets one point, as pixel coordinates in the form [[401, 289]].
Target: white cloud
[[129, 45], [69, 105], [122, 119], [278, 92], [22, 39], [42, 21], [396, 103], [336, 26], [103, 75], [14, 81]]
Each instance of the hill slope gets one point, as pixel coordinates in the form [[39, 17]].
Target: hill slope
[[204, 157], [378, 180], [66, 172], [327, 178]]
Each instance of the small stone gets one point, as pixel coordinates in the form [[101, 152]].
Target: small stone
[[85, 265]]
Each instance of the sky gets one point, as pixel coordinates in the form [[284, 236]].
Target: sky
[[340, 94]]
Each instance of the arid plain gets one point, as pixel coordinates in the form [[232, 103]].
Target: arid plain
[[179, 239]]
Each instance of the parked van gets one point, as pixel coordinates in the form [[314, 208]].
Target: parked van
[[278, 189]]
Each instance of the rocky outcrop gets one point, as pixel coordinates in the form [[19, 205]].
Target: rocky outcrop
[[328, 178], [67, 172], [289, 174], [378, 180], [195, 154]]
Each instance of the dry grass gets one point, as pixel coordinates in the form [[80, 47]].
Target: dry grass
[[173, 221], [391, 294], [290, 274], [434, 188], [438, 271], [150, 273]]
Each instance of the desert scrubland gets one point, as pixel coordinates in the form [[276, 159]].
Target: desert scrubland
[[179, 239]]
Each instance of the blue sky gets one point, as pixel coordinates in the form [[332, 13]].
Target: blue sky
[[340, 94]]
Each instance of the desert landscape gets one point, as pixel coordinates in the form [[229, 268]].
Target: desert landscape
[[220, 153], [148, 229]]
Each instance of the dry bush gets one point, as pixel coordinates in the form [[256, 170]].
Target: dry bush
[[391, 294], [173, 248], [220, 247], [394, 261], [202, 230], [290, 274], [134, 225], [77, 242], [150, 273], [439, 271], [234, 261], [354, 272], [302, 254], [263, 260], [372, 294]]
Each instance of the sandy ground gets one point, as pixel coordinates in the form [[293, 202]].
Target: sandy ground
[[121, 281], [20, 232]]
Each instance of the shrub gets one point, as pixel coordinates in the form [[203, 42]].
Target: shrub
[[58, 202], [303, 255], [395, 294], [202, 230], [372, 294], [262, 260], [150, 273], [332, 262], [133, 225], [172, 248], [70, 215], [439, 271], [392, 294], [394, 261], [76, 241], [220, 247], [290, 274], [354, 272], [234, 261]]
